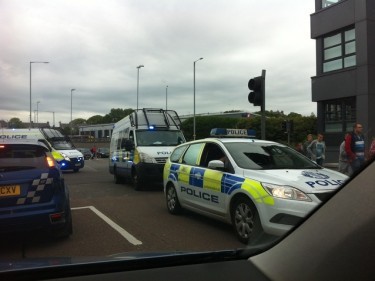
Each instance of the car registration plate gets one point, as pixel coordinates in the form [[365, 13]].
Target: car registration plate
[[78, 165], [10, 190]]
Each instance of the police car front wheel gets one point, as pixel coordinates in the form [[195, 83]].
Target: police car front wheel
[[245, 219], [173, 204]]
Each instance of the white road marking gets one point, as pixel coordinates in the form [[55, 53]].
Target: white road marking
[[115, 226]]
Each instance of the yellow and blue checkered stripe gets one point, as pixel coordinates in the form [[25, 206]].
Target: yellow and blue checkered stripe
[[222, 182]]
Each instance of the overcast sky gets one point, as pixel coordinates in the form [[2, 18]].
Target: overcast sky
[[95, 47]]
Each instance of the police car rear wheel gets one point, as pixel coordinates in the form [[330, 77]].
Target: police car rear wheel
[[173, 204], [245, 219]]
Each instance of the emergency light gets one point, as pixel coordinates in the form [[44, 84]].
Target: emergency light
[[237, 133]]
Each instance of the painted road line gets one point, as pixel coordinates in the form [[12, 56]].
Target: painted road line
[[114, 225]]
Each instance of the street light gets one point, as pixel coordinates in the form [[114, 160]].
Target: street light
[[71, 105], [37, 112], [30, 84], [194, 100], [166, 97], [138, 67]]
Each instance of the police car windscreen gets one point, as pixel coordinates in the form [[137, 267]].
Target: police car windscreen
[[62, 145], [16, 157], [268, 156], [159, 138]]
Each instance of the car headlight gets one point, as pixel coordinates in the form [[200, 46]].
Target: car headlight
[[286, 192], [145, 158], [65, 157]]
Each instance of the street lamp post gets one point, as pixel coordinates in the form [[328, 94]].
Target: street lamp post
[[30, 85], [37, 112], [71, 105], [138, 67], [166, 98], [194, 100]]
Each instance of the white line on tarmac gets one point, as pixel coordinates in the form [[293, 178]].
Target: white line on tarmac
[[115, 226]]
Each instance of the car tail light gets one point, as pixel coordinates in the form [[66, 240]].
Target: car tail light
[[56, 217], [50, 162]]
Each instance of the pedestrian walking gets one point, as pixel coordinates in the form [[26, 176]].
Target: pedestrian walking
[[317, 150], [308, 141], [355, 147], [344, 165], [93, 151]]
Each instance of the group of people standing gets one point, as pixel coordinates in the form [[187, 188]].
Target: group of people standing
[[352, 150]]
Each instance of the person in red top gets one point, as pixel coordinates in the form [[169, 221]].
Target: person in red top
[[355, 147], [93, 151]]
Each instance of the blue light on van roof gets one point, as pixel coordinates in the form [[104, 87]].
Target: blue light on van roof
[[225, 132], [151, 127]]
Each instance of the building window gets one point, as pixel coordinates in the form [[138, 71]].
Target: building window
[[327, 3], [339, 115], [339, 50]]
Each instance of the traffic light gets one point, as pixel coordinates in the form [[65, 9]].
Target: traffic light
[[284, 126], [256, 85]]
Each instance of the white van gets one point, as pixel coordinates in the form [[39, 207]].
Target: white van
[[68, 157], [141, 143]]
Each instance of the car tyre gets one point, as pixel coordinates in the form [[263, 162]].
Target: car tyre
[[117, 178], [245, 219], [136, 180], [173, 205]]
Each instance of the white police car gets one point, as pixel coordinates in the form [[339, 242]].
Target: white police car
[[253, 184]]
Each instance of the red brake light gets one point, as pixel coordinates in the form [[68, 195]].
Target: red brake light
[[50, 161]]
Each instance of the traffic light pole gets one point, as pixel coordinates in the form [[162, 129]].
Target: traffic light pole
[[257, 96], [263, 108]]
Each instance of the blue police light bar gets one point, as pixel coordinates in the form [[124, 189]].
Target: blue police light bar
[[242, 133], [151, 127]]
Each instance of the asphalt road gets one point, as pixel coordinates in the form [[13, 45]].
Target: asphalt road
[[110, 219]]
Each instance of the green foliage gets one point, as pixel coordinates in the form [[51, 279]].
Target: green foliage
[[204, 124], [116, 115], [96, 119], [74, 126], [15, 123], [302, 125]]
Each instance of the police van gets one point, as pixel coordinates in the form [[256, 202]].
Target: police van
[[141, 143], [62, 149], [256, 185]]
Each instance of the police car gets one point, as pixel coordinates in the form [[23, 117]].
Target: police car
[[255, 185], [33, 194]]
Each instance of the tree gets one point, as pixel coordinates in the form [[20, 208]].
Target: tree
[[116, 115], [15, 123], [96, 119], [74, 125]]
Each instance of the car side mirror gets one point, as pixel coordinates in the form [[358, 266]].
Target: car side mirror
[[216, 165]]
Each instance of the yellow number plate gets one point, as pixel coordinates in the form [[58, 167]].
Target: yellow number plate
[[10, 190]]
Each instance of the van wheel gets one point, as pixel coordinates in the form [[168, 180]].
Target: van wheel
[[245, 219], [173, 204], [117, 178], [135, 180]]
